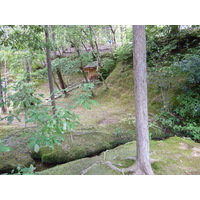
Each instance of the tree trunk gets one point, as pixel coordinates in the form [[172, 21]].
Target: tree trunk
[[58, 72], [52, 96], [6, 80], [91, 42], [143, 165], [121, 34], [28, 73], [113, 32], [84, 46], [3, 109], [81, 68], [54, 79]]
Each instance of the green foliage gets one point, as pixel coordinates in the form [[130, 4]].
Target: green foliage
[[86, 58], [190, 67], [4, 148], [181, 114], [66, 65], [21, 170], [84, 97], [188, 106], [124, 54], [108, 66], [51, 128]]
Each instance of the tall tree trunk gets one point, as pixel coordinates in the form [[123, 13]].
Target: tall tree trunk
[[81, 66], [121, 34], [54, 79], [91, 42], [6, 80], [28, 73], [84, 46], [58, 72], [143, 165], [3, 109], [113, 32], [48, 56]]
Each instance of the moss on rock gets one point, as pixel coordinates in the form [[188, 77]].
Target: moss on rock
[[19, 154], [173, 156], [84, 144]]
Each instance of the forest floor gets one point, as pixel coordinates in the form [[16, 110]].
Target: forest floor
[[114, 114]]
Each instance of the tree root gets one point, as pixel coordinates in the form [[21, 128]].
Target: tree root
[[135, 169]]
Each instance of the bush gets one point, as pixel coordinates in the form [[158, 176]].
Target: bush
[[108, 66], [190, 67], [124, 54], [182, 116]]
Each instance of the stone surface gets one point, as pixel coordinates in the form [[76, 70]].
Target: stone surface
[[168, 156]]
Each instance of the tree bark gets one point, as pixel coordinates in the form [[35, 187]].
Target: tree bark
[[143, 165], [28, 71], [48, 57], [58, 72], [81, 68], [113, 32], [6, 80], [91, 42], [3, 109]]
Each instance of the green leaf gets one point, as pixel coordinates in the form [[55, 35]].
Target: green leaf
[[94, 102], [86, 105], [32, 141], [64, 125], [4, 148], [36, 148]]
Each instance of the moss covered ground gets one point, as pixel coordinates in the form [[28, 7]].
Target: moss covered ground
[[173, 156]]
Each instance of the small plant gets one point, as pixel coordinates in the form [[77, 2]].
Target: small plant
[[4, 148], [24, 170]]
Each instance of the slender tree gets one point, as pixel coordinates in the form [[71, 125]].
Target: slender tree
[[143, 165], [52, 96], [113, 30], [58, 72], [3, 109]]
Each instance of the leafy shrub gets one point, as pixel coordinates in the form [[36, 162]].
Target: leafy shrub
[[124, 54], [190, 67], [108, 66], [86, 58], [66, 65], [183, 115]]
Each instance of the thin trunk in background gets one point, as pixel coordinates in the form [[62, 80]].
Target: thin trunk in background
[[54, 80], [113, 32], [81, 68], [58, 72], [28, 70], [52, 96], [143, 165], [3, 109], [6, 80]]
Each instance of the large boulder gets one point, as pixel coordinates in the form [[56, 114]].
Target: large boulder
[[19, 154], [81, 144]]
